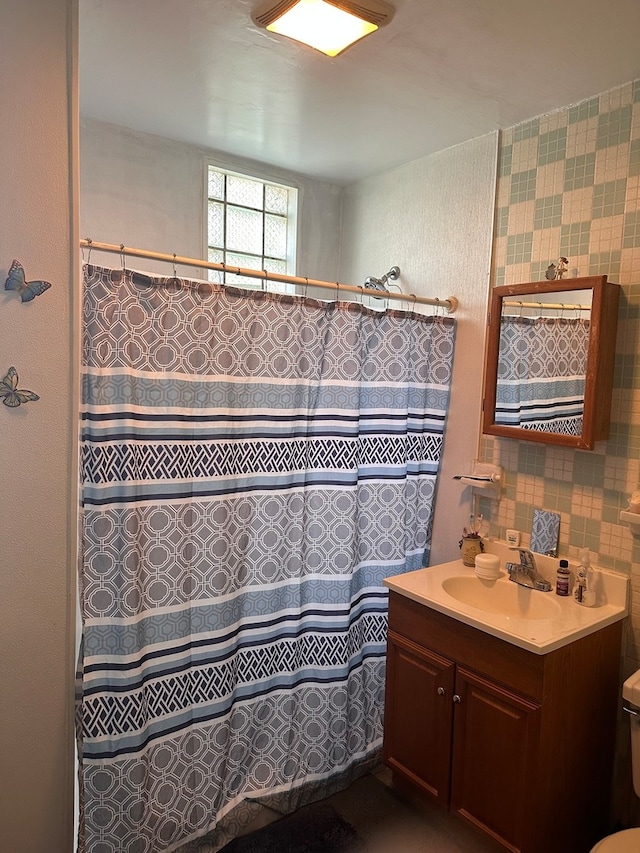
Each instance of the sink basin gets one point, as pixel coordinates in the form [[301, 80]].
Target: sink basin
[[503, 597]]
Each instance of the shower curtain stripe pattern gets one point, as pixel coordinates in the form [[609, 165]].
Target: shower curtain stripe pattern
[[542, 373], [252, 466]]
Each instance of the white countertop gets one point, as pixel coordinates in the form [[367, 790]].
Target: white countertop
[[569, 621]]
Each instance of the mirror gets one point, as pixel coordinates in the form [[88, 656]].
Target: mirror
[[549, 365], [545, 532]]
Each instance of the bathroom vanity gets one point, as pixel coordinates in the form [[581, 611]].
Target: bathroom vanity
[[515, 735]]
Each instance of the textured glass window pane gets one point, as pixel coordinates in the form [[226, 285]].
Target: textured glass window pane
[[256, 225], [215, 256], [216, 223], [236, 259], [274, 266], [244, 191], [216, 184], [276, 199], [244, 230], [239, 259], [275, 236]]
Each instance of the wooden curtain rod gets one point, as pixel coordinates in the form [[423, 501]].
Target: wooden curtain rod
[[450, 304]]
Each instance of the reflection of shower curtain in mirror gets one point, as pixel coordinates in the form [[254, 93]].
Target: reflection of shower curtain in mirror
[[253, 466], [541, 373]]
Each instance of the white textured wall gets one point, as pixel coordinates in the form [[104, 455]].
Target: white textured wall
[[433, 218], [37, 555], [147, 191]]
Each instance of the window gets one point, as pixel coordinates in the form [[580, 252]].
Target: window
[[251, 224]]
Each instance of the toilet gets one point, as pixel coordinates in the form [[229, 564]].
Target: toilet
[[628, 840]]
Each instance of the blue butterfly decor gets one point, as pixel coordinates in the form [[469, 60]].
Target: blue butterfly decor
[[13, 396], [17, 280]]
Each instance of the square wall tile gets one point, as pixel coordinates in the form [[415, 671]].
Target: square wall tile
[[502, 221], [577, 205], [579, 171], [582, 137], [583, 111], [588, 469], [548, 212], [524, 155], [521, 217], [614, 127], [499, 277], [506, 157], [552, 146], [574, 239], [538, 268], [609, 198], [519, 248], [523, 186], [550, 179], [531, 458], [584, 532], [606, 234], [605, 263], [546, 248], [526, 130], [634, 157], [631, 230]]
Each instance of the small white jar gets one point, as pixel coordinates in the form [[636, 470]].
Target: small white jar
[[487, 566]]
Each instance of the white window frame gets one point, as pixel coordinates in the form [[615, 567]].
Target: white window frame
[[292, 230]]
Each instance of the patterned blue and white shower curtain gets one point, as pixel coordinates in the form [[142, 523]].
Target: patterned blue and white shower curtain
[[542, 369], [253, 465]]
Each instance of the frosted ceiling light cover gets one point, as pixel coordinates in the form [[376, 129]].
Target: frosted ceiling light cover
[[329, 27]]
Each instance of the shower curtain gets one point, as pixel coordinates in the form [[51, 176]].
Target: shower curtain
[[542, 369], [253, 465]]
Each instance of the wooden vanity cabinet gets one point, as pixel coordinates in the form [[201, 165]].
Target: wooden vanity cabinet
[[518, 744]]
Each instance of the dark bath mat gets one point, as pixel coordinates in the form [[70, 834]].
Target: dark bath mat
[[316, 828]]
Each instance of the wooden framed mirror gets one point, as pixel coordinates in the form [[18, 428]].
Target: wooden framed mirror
[[549, 363]]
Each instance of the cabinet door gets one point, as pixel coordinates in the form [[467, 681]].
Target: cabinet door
[[418, 716], [496, 735]]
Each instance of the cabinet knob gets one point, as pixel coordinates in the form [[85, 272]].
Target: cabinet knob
[[457, 699], [441, 691]]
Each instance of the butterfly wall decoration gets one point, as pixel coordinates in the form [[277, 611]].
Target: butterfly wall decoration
[[17, 280], [11, 395]]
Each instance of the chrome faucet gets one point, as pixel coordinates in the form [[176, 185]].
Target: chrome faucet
[[525, 572]]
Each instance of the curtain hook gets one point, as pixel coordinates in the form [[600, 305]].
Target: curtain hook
[[521, 307], [175, 274], [361, 295], [264, 280], [122, 257], [306, 287], [338, 289], [89, 241], [415, 302]]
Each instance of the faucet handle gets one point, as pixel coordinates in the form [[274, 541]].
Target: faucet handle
[[526, 557]]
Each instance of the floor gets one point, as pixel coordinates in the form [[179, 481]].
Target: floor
[[389, 823]]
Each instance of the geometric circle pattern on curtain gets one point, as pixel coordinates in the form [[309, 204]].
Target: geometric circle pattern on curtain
[[253, 465]]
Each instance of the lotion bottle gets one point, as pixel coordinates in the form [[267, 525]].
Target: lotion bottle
[[582, 592]]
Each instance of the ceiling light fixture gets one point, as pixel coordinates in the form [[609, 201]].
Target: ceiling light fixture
[[329, 26]]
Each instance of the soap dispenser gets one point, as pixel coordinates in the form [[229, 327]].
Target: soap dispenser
[[582, 591]]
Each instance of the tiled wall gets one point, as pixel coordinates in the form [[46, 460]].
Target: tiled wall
[[569, 185]]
